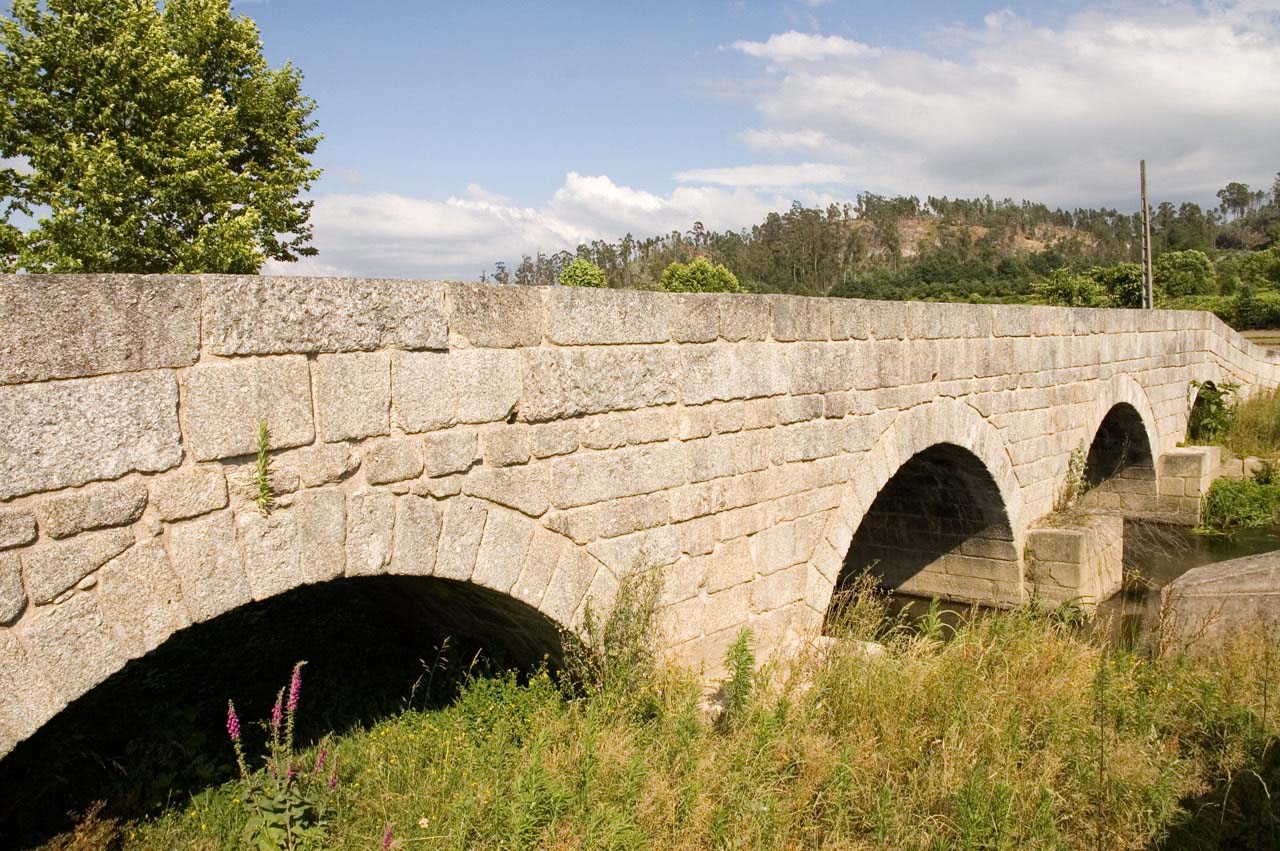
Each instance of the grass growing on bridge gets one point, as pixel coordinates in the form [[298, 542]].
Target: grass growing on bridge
[[1015, 732]]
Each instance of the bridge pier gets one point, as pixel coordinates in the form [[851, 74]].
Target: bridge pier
[[1083, 561], [1185, 475]]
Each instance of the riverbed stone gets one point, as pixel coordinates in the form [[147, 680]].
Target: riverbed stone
[[66, 433], [252, 315], [206, 558], [224, 403], [92, 507], [55, 568], [17, 527], [189, 492], [141, 598], [353, 395], [74, 326]]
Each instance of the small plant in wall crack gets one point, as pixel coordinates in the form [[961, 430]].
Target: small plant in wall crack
[[1075, 485], [264, 493]]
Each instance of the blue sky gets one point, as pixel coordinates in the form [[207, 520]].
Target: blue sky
[[457, 134]]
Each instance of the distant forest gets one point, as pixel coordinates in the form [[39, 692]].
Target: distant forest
[[942, 248]]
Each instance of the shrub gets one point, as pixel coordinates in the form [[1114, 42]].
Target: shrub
[[1240, 504], [582, 273], [1181, 273], [700, 276], [1065, 288], [1121, 282], [1212, 413]]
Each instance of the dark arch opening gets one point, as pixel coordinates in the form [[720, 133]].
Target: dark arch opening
[[1120, 471], [938, 528], [153, 732]]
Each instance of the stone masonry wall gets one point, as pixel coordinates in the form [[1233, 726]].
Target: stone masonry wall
[[539, 442]]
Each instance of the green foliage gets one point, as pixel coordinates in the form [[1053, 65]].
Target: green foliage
[[1066, 288], [740, 662], [264, 491], [1014, 733], [1212, 412], [1240, 504], [287, 801], [1180, 273], [582, 273], [620, 647], [699, 276], [1075, 484], [1122, 283], [154, 139], [1255, 426]]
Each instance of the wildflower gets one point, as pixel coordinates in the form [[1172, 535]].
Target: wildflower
[[320, 758], [277, 714], [233, 722], [386, 837], [295, 687], [423, 822], [333, 777]]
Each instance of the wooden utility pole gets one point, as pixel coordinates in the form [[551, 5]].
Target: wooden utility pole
[[1148, 290]]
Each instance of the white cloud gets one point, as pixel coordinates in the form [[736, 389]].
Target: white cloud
[[770, 176], [389, 235], [1056, 114]]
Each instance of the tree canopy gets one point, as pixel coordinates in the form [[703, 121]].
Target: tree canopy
[[582, 273], [148, 139]]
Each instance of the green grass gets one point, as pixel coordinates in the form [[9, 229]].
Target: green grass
[[1255, 427], [1240, 504], [1014, 733]]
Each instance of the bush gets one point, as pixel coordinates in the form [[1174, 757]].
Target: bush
[[1065, 288], [1181, 273], [1213, 412], [1121, 282], [1240, 504], [700, 276], [582, 273]]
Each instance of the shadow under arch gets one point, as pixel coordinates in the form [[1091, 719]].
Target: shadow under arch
[[153, 732], [938, 527], [1120, 470]]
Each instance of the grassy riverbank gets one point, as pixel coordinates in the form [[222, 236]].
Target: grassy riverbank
[[1012, 732]]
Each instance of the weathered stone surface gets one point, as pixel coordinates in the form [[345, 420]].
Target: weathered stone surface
[[452, 451], [539, 564], [1217, 603], [206, 558], [223, 403], [613, 518], [392, 459], [572, 382], [557, 438], [92, 507], [353, 395], [578, 316], [189, 492], [54, 568], [74, 326], [747, 318], [27, 697], [322, 464], [141, 599], [464, 521], [294, 546], [522, 488], [13, 599], [432, 390], [17, 527], [495, 316], [502, 550], [568, 586], [417, 536], [277, 315], [584, 478], [721, 372], [67, 433], [650, 548], [73, 645], [801, 318], [370, 532], [506, 445]]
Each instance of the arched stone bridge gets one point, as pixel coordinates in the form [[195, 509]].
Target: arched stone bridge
[[539, 443]]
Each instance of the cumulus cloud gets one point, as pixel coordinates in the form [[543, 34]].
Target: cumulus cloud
[[1054, 113], [390, 235]]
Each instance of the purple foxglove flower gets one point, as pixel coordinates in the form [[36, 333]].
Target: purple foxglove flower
[[320, 758], [295, 687], [386, 837], [277, 715], [333, 778], [233, 722]]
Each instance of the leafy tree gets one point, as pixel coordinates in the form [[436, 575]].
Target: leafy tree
[[1185, 273], [582, 273], [1066, 288], [700, 276], [149, 140], [1121, 282]]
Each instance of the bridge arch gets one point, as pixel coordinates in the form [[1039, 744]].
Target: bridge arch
[[941, 450], [490, 571]]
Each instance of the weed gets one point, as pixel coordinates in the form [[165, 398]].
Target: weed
[[740, 662], [264, 491], [1075, 485]]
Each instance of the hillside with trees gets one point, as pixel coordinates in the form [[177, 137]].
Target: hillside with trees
[[1226, 258]]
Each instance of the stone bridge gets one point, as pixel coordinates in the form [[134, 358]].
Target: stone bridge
[[511, 452]]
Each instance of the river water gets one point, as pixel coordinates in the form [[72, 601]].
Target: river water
[[1154, 555]]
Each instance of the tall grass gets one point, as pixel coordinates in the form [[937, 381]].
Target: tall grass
[[1015, 732], [1255, 427]]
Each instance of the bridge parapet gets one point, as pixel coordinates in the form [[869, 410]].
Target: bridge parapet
[[539, 442]]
